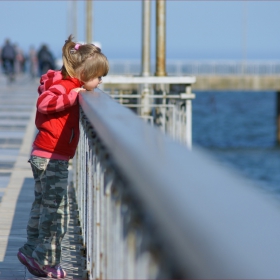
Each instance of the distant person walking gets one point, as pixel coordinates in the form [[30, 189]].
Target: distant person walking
[[45, 59], [8, 57], [57, 121], [33, 62], [20, 60]]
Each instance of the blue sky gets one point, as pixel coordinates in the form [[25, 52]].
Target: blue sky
[[194, 29]]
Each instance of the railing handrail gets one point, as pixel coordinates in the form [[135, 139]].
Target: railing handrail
[[202, 67], [198, 67], [211, 60], [121, 79], [215, 224]]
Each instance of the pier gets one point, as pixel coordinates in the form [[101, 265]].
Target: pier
[[219, 75], [143, 205], [215, 74]]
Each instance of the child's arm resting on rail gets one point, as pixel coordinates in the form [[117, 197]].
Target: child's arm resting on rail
[[55, 99]]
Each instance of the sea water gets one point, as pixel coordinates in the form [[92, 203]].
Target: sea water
[[239, 129]]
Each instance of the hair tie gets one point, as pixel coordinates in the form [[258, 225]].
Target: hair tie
[[77, 46]]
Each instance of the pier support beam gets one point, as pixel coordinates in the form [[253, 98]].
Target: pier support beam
[[278, 116]]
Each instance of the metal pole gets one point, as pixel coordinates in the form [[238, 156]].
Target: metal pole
[[160, 38], [244, 28], [74, 13], [189, 123], [146, 42], [146, 34], [89, 21], [68, 19], [278, 116]]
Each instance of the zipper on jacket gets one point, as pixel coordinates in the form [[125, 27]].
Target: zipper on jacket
[[72, 136]]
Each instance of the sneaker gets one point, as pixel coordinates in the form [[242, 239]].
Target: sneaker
[[28, 262], [55, 271]]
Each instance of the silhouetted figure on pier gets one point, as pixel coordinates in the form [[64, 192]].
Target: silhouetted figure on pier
[[33, 62], [8, 57], [45, 60], [20, 60]]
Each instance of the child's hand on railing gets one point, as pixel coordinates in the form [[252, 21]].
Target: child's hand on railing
[[79, 89]]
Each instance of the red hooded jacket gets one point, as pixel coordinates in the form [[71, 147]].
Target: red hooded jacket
[[57, 117]]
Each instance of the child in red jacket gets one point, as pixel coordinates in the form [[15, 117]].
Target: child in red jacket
[[57, 121]]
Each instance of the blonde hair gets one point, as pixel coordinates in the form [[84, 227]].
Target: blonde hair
[[83, 62]]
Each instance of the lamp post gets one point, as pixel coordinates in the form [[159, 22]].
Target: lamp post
[[146, 42], [72, 18], [146, 35], [74, 11], [160, 37], [89, 21]]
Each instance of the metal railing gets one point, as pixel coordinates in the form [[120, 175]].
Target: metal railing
[[204, 67], [152, 209], [153, 99]]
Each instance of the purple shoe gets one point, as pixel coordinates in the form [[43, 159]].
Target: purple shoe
[[28, 262], [55, 271]]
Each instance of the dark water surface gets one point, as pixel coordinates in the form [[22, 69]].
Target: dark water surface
[[239, 129]]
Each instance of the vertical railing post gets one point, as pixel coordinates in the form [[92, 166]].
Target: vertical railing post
[[188, 119]]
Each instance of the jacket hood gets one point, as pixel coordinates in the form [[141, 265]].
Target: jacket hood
[[48, 79], [53, 77]]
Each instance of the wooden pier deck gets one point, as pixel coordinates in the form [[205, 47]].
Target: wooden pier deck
[[17, 104]]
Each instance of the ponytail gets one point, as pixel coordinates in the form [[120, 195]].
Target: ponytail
[[84, 62]]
